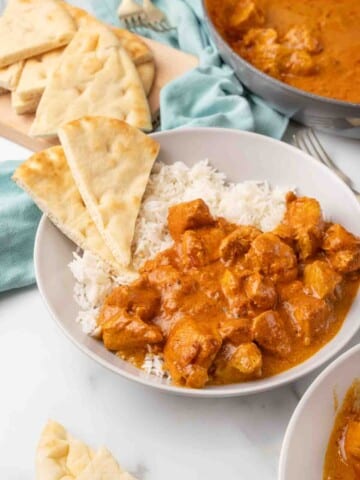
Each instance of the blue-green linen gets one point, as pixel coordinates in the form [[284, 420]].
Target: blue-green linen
[[209, 95], [19, 218]]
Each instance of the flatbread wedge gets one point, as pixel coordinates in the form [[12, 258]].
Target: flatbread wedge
[[138, 50], [35, 74], [95, 76], [46, 177], [59, 455], [31, 27], [10, 75], [146, 72], [111, 163], [21, 106]]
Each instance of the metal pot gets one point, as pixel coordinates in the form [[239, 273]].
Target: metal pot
[[326, 114]]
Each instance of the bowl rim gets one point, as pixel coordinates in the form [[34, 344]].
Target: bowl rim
[[272, 80], [232, 390], [284, 452]]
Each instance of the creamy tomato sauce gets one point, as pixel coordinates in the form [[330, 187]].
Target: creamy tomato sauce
[[311, 45]]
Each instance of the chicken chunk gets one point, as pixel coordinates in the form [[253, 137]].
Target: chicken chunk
[[310, 316], [301, 37], [272, 257], [190, 350], [236, 330], [342, 249], [245, 14], [260, 290], [322, 280], [139, 299], [234, 293], [247, 359], [237, 243], [269, 332], [127, 331], [201, 247], [352, 440], [304, 217], [298, 62], [188, 216]]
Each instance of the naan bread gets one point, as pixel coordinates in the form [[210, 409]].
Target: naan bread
[[138, 50], [59, 456], [9, 76], [37, 70], [95, 76], [21, 106], [111, 164], [35, 74], [46, 177], [31, 27], [104, 467], [146, 72]]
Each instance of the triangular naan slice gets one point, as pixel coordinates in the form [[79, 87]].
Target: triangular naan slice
[[24, 106], [95, 76], [137, 49], [102, 467], [59, 456], [10, 75], [31, 27], [146, 72], [35, 74], [46, 177], [111, 164]]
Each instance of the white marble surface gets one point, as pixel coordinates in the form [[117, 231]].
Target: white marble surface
[[154, 435]]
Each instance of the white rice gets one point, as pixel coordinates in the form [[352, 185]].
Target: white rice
[[247, 203]]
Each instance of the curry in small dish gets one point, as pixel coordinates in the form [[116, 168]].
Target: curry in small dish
[[228, 303], [342, 459], [311, 45]]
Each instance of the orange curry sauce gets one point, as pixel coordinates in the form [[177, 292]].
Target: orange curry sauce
[[342, 460], [311, 45], [228, 303]]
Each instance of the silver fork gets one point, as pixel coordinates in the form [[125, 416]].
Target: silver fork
[[135, 16], [307, 140]]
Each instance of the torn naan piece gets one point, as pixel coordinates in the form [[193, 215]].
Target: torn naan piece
[[102, 467], [47, 178], [95, 76], [111, 163], [10, 75], [59, 456], [31, 27]]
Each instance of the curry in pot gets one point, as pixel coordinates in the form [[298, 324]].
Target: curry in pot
[[342, 460], [311, 45], [229, 303]]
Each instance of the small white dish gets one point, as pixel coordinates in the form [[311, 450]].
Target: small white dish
[[241, 156], [307, 436]]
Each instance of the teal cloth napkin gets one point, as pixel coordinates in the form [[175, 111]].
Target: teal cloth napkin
[[209, 95], [19, 218]]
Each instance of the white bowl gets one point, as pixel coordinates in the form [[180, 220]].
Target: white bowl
[[242, 156], [307, 436]]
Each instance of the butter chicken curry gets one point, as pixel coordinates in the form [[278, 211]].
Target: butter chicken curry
[[228, 303], [311, 45], [342, 461]]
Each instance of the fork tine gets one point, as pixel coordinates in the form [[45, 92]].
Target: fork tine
[[317, 147], [316, 140]]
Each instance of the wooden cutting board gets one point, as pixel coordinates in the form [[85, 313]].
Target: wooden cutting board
[[170, 64]]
